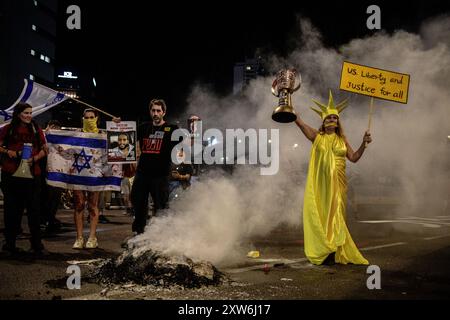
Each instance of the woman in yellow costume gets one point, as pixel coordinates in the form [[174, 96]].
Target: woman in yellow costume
[[327, 239]]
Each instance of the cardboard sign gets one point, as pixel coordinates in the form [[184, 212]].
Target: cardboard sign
[[377, 83]]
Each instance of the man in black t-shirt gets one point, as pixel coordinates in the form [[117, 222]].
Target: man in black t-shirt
[[153, 169]]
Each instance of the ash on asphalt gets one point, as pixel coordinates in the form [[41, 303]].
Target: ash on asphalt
[[145, 266]]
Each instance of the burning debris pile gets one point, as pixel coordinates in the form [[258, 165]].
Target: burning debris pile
[[144, 266]]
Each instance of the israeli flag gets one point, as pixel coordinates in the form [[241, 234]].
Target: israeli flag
[[38, 96], [78, 161]]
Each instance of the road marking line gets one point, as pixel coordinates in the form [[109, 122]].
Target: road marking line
[[376, 221], [437, 237], [383, 246], [85, 262], [260, 266], [423, 218], [265, 260], [302, 266], [437, 221], [428, 225]]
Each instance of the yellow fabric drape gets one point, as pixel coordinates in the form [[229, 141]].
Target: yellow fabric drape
[[324, 204]]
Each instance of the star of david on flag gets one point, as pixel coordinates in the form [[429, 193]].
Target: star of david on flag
[[85, 162], [78, 161]]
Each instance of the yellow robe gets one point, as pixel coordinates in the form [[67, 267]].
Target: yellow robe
[[324, 204]]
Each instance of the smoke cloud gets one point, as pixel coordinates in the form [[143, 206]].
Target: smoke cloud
[[407, 163]]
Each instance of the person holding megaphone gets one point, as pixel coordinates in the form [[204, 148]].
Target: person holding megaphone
[[22, 146]]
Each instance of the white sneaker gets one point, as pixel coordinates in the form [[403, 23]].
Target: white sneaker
[[92, 243], [79, 243]]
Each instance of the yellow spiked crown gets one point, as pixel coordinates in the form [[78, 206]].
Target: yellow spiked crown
[[325, 111]]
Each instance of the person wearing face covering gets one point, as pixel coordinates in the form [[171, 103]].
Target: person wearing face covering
[[81, 197], [327, 239], [90, 121]]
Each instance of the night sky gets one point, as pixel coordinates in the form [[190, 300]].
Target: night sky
[[138, 50]]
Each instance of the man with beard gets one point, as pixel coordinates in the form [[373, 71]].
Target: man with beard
[[153, 168], [124, 149]]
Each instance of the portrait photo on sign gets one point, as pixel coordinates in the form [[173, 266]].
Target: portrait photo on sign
[[121, 142]]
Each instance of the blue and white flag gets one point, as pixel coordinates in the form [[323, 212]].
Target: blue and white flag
[[36, 95], [78, 161]]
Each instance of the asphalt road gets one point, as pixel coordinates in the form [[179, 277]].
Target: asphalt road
[[412, 253]]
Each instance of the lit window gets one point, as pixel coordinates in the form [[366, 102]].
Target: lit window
[[35, 3], [47, 59], [42, 57], [249, 68], [33, 27], [32, 52], [31, 77]]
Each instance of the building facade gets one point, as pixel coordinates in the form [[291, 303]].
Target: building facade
[[28, 42], [246, 71]]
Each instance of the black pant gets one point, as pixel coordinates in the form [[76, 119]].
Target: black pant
[[158, 187], [20, 194]]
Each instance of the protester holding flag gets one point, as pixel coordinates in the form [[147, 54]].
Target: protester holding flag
[[327, 239], [77, 161], [90, 121], [21, 192]]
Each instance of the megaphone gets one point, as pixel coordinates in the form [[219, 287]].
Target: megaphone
[[24, 168]]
